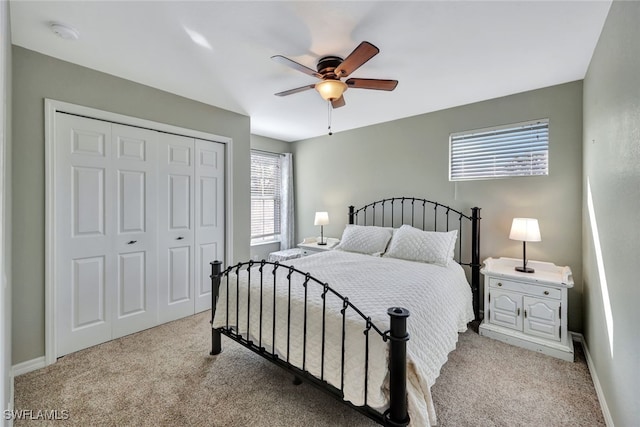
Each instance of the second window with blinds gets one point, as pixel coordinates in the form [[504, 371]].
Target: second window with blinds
[[266, 193], [520, 149]]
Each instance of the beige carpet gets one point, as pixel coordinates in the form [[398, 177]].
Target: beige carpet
[[165, 377]]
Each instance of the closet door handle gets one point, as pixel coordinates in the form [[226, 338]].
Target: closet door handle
[[131, 242], [179, 238]]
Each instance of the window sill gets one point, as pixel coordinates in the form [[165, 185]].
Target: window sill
[[268, 242]]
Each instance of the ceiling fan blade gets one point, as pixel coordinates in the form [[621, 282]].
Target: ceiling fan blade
[[295, 65], [361, 54], [376, 84], [337, 103], [296, 90]]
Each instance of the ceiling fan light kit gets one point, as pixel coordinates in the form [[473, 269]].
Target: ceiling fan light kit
[[331, 90]]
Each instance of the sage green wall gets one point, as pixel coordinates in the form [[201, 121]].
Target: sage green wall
[[612, 176], [262, 251], [271, 145], [36, 77], [410, 157]]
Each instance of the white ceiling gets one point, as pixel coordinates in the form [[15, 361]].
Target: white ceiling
[[444, 53]]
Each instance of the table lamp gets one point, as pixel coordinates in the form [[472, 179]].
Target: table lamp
[[526, 230], [322, 219]]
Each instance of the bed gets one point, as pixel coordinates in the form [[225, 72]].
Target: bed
[[339, 319]]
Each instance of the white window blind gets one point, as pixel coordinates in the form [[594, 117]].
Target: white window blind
[[514, 150], [265, 196]]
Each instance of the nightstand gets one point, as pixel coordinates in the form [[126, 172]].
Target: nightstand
[[527, 309], [314, 247]]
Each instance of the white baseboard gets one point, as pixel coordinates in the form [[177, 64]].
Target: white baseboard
[[596, 382], [28, 366]]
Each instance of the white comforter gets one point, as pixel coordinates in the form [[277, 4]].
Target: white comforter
[[439, 301]]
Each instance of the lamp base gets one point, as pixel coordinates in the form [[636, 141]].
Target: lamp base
[[322, 243], [525, 269]]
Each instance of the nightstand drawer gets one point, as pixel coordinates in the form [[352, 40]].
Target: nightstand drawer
[[311, 248], [533, 290]]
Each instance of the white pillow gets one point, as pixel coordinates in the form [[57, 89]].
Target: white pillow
[[424, 246], [364, 239]]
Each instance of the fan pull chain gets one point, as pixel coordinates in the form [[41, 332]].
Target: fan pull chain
[[329, 116]]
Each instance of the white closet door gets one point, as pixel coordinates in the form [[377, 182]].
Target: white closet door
[[83, 234], [134, 220], [139, 215], [176, 227], [209, 216]]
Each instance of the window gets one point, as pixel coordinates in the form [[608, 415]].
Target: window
[[513, 150], [265, 196]]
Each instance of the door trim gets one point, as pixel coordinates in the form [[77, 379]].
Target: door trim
[[51, 107]]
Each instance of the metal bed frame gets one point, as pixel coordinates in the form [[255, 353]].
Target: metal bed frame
[[390, 212]]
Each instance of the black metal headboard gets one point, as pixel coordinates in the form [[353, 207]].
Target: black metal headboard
[[431, 216]]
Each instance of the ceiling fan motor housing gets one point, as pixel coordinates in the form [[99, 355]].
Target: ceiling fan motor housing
[[327, 65]]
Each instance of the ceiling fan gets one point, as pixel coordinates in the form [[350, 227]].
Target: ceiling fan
[[331, 69]]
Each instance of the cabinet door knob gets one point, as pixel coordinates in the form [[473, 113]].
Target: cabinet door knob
[[499, 284], [179, 238], [546, 292], [131, 242]]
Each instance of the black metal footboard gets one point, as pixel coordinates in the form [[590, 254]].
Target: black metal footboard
[[396, 336]]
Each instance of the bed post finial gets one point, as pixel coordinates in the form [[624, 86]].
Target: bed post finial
[[351, 212], [216, 342], [398, 415], [475, 260]]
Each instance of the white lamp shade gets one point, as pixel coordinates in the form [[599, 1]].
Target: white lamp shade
[[322, 218], [525, 230]]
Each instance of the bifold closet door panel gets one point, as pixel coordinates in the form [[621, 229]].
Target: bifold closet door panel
[[134, 219], [176, 194], [84, 235], [106, 248], [209, 215]]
